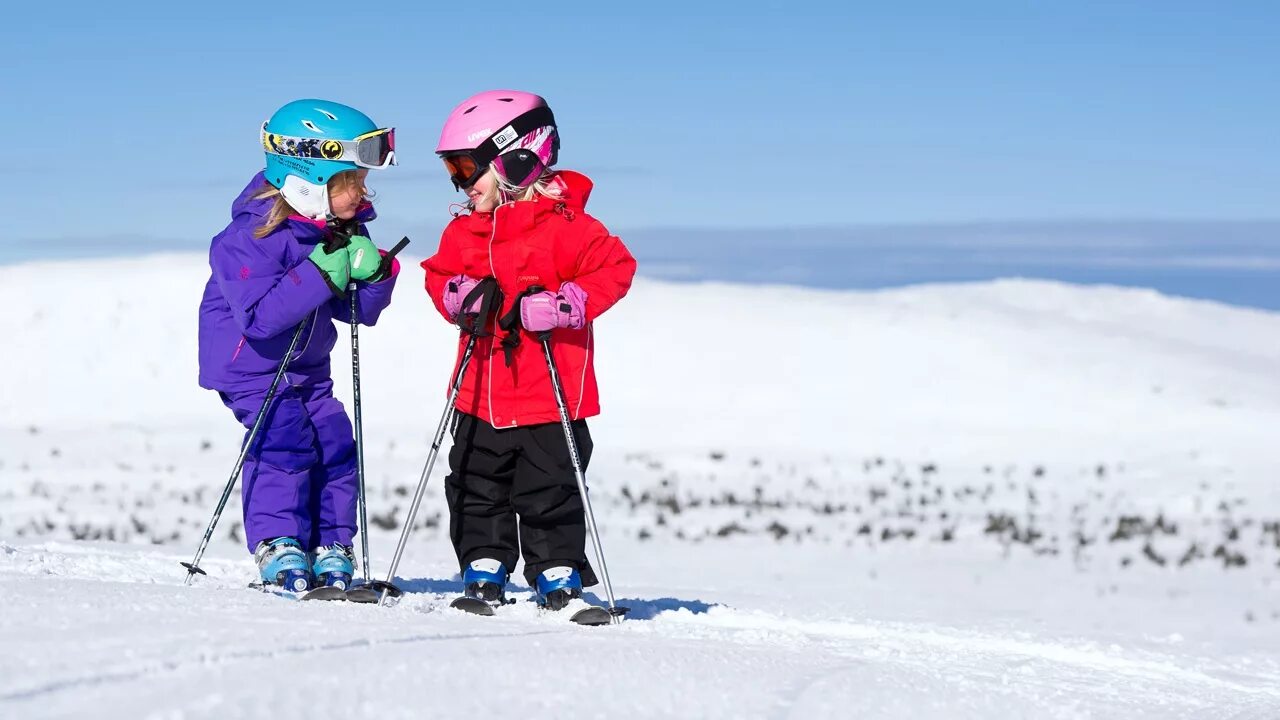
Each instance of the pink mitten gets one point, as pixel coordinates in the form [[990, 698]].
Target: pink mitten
[[455, 291], [564, 308]]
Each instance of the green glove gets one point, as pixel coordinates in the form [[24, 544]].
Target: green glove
[[336, 267], [365, 258]]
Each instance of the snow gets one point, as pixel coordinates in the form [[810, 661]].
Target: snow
[[1013, 499]]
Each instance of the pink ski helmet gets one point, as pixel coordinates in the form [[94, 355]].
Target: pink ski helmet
[[514, 130]]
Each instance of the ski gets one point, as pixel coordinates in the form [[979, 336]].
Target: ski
[[591, 616], [325, 593], [472, 605], [372, 592], [320, 593], [363, 594]]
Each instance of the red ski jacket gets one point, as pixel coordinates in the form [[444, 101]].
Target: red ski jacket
[[542, 242]]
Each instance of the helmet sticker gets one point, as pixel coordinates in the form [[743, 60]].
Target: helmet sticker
[[506, 137], [331, 149]]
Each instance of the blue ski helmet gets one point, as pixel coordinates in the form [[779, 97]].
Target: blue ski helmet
[[295, 140]]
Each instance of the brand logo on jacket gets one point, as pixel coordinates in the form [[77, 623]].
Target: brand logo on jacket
[[529, 278]]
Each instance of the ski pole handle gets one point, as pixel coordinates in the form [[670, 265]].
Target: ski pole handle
[[384, 267], [486, 296], [543, 335], [399, 246]]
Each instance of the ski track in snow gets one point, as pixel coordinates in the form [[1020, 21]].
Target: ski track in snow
[[229, 638]]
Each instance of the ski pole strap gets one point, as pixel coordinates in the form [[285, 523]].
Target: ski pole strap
[[511, 324], [393, 252], [489, 295], [384, 268]]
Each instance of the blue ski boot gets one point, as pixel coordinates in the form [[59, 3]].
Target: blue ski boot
[[485, 579], [334, 565], [557, 586], [282, 562]]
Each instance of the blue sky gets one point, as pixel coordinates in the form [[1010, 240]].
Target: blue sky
[[141, 119]]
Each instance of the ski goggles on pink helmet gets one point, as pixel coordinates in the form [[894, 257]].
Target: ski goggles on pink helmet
[[375, 149], [521, 151]]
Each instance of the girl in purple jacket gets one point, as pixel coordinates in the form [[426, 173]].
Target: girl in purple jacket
[[271, 270]]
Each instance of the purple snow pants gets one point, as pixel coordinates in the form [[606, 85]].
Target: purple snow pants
[[299, 478]]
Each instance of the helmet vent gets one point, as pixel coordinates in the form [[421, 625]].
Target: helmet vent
[[327, 114], [311, 126], [506, 99], [468, 110]]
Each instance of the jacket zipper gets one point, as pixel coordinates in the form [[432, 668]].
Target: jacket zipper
[[582, 381], [493, 232]]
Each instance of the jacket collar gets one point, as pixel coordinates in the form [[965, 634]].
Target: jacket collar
[[308, 230], [526, 214]]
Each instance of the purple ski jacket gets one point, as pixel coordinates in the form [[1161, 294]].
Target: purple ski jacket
[[258, 292]]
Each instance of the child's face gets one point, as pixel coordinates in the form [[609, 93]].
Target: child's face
[[345, 199], [480, 190]]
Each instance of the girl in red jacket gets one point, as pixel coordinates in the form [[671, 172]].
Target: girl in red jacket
[[526, 227]]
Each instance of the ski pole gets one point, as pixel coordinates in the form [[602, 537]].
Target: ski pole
[[488, 291], [359, 425], [359, 421], [431, 461], [615, 611], [193, 567]]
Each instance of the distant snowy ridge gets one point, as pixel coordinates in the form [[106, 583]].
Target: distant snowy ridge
[[1011, 403]]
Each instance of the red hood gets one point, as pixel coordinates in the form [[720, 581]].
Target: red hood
[[579, 188]]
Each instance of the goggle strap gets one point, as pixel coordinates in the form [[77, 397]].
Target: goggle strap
[[323, 149], [372, 133], [512, 131]]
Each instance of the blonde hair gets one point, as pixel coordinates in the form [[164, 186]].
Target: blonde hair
[[281, 209], [543, 187]]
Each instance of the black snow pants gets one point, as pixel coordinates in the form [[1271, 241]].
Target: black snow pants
[[514, 490]]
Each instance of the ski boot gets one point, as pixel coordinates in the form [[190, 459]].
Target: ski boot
[[334, 565], [282, 562], [558, 586], [559, 590], [486, 580]]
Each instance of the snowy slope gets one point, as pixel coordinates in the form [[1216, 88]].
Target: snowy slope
[[842, 636], [1010, 499]]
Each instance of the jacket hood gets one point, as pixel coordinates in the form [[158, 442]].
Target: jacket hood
[[577, 188], [246, 207]]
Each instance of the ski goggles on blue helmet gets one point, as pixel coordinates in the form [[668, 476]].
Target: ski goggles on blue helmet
[[375, 149]]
